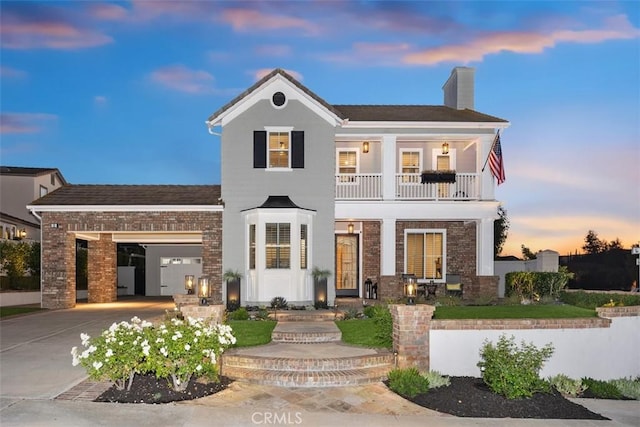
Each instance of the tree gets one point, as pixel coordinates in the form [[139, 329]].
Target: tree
[[593, 245], [500, 231], [615, 244], [526, 253]]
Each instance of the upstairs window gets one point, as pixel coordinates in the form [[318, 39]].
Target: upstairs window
[[43, 191], [278, 148], [424, 252], [278, 245], [411, 165], [347, 165]]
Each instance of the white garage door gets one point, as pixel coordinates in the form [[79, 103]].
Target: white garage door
[[172, 272]]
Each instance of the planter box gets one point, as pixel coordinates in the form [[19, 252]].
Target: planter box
[[428, 177]]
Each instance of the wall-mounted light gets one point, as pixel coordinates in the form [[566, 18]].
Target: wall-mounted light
[[350, 228], [365, 147], [22, 233], [189, 280], [445, 148]]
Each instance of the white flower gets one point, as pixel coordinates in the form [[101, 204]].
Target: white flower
[[85, 339], [164, 352], [109, 353], [187, 347], [198, 332], [97, 365], [74, 354], [199, 368]]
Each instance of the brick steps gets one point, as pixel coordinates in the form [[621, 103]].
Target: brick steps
[[306, 332], [309, 371]]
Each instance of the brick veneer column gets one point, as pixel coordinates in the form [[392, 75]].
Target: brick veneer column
[[102, 270], [58, 271], [411, 325], [212, 256]]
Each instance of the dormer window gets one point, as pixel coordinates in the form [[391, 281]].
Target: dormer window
[[278, 99]]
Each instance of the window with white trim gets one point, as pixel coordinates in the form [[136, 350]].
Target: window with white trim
[[278, 245], [252, 246], [43, 191], [410, 165], [347, 165], [424, 253], [279, 149], [303, 246]]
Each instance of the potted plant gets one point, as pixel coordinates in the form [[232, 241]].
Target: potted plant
[[320, 286], [431, 176], [233, 278]]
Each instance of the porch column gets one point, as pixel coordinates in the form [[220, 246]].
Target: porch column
[[389, 167], [212, 256], [484, 237], [102, 270], [58, 270], [411, 324]]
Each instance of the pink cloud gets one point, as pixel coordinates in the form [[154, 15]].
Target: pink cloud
[[108, 12], [264, 71], [617, 28], [372, 53], [37, 26], [249, 20], [183, 79], [11, 123]]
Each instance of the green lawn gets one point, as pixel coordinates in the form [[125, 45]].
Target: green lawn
[[512, 312], [360, 332], [252, 332], [12, 311]]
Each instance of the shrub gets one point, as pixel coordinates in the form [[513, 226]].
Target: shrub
[[117, 354], [350, 313], [370, 311], [436, 379], [239, 314], [407, 382], [629, 388], [279, 303], [602, 389], [320, 305], [530, 285], [511, 371], [384, 326], [591, 300], [567, 386]]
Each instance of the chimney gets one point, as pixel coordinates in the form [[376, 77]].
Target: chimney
[[459, 88]]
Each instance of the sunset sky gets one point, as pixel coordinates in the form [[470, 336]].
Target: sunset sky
[[118, 92]]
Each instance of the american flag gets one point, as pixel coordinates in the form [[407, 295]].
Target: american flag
[[495, 160]]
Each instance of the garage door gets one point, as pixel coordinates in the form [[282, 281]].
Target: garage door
[[172, 272]]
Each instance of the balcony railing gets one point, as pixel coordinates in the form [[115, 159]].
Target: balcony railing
[[407, 187]]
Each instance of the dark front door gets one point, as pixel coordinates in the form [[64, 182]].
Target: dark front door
[[347, 274]]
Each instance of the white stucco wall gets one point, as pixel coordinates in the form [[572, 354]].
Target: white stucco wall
[[600, 353]]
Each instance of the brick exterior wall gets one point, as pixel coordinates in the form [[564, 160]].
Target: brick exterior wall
[[59, 260], [516, 324], [411, 324], [371, 252], [629, 311]]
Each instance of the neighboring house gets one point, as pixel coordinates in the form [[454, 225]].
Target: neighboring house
[[304, 184], [19, 186]]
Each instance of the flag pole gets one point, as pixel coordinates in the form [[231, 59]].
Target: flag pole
[[490, 150]]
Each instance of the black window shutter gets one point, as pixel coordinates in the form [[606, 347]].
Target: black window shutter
[[259, 149], [297, 149]]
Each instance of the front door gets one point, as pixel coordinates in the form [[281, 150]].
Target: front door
[[347, 274]]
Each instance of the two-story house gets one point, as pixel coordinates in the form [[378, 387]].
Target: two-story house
[[368, 192], [347, 187], [19, 186]]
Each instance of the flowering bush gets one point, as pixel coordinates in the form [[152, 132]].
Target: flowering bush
[[182, 348], [176, 349], [117, 354]]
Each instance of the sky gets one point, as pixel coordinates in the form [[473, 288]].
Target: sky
[[118, 92]]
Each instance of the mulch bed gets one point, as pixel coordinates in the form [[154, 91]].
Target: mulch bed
[[149, 389], [471, 397]]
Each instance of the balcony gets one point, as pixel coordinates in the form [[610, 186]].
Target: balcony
[[407, 187]]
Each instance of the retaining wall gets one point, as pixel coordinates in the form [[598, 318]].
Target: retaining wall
[[8, 299]]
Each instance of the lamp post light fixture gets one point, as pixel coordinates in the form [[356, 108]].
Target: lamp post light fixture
[[410, 285], [445, 148], [189, 280], [204, 290]]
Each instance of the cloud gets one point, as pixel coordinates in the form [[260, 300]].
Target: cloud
[[183, 79], [246, 20], [258, 74], [30, 26], [371, 53], [526, 42], [13, 123], [274, 50], [108, 12], [11, 73]]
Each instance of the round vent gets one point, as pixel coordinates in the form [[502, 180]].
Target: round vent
[[278, 99]]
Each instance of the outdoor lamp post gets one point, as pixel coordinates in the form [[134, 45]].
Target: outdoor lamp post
[[410, 288], [204, 290], [188, 283]]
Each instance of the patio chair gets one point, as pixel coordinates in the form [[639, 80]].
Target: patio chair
[[453, 286]]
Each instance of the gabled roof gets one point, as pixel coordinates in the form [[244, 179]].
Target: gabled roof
[[371, 113], [26, 171], [129, 195]]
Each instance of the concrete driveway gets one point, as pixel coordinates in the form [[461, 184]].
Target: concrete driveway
[[35, 357]]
